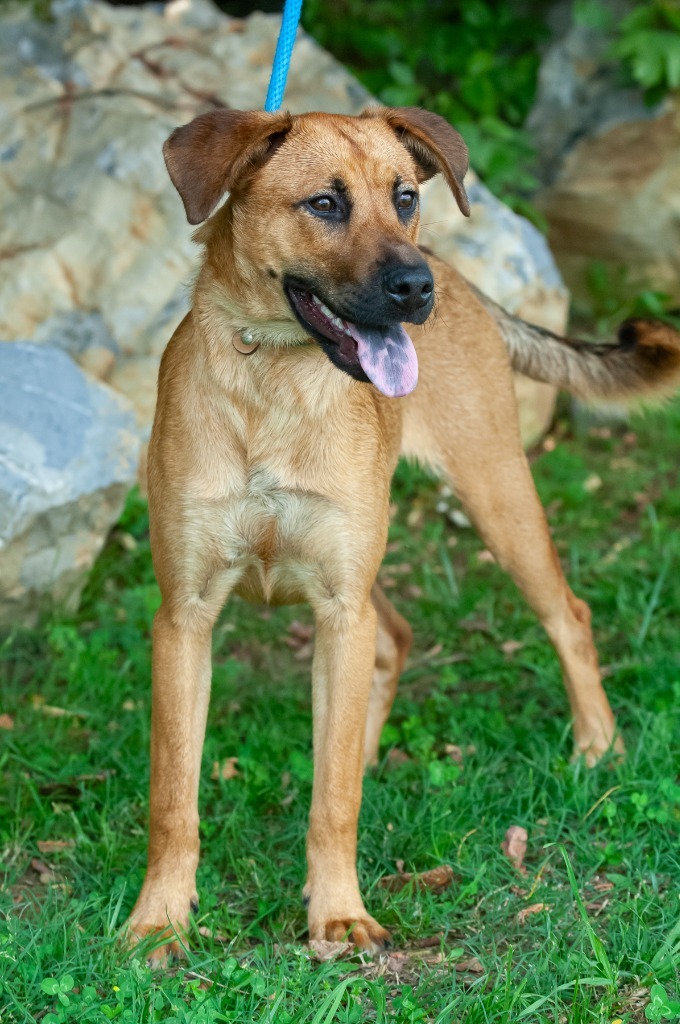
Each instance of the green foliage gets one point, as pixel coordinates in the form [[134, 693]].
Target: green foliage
[[661, 1007], [474, 63], [649, 44], [612, 298]]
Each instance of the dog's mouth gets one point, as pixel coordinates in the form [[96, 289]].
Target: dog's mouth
[[383, 355]]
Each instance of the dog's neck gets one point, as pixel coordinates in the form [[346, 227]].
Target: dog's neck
[[285, 368], [231, 297]]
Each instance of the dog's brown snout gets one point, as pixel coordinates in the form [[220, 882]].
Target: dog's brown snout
[[410, 288]]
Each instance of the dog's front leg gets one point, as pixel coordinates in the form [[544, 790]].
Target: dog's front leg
[[181, 692], [342, 674]]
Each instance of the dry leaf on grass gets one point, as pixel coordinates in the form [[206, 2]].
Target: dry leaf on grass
[[475, 624], [300, 639], [592, 483], [459, 519], [526, 912], [54, 845], [397, 756], [485, 556], [71, 786], [433, 652], [436, 880], [429, 941], [603, 885], [226, 769], [514, 846], [299, 635], [401, 568], [45, 872], [126, 540], [207, 933], [38, 702], [6, 722], [510, 647], [454, 752], [595, 907], [473, 965]]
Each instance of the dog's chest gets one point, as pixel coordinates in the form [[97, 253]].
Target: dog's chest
[[281, 539], [288, 503]]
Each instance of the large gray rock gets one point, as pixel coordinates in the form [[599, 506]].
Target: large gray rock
[[610, 164], [97, 254], [68, 456]]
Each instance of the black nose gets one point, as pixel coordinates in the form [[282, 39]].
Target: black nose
[[409, 288]]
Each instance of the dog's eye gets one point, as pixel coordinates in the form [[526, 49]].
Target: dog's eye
[[406, 201], [323, 204]]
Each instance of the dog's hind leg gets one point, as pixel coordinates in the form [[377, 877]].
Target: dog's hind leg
[[503, 504], [394, 640], [462, 419]]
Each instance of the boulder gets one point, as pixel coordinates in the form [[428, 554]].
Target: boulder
[[97, 257], [609, 163], [68, 456]]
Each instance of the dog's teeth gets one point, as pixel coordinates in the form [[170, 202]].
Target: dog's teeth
[[326, 311], [337, 322], [316, 301]]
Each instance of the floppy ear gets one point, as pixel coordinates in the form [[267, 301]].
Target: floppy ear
[[434, 145], [215, 151]]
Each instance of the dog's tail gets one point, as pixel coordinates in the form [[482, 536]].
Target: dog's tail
[[644, 362]]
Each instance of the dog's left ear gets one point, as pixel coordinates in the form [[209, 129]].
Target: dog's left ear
[[218, 151], [434, 145]]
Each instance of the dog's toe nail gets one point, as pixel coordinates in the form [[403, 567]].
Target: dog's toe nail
[[194, 906], [305, 899]]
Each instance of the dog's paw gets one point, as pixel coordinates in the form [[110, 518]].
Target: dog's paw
[[593, 749], [364, 932], [159, 945], [158, 931]]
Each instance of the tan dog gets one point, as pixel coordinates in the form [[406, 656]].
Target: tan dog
[[269, 472]]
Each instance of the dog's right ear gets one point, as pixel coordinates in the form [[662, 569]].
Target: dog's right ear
[[218, 151]]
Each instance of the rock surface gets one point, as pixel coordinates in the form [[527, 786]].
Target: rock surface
[[68, 456], [96, 256], [610, 165]]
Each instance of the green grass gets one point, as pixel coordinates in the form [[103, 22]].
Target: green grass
[[603, 854]]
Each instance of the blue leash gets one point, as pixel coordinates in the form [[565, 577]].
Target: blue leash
[[284, 48]]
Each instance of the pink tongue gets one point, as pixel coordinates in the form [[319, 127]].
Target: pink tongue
[[387, 357]]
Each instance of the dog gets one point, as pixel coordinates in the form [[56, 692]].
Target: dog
[[285, 398]]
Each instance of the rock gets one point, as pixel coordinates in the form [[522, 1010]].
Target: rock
[[610, 166], [68, 456], [579, 85], [508, 259], [136, 378], [96, 253]]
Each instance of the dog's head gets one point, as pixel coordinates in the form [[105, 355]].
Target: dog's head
[[318, 238]]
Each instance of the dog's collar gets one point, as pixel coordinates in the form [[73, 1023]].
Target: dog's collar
[[244, 342]]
